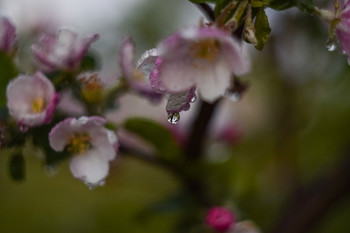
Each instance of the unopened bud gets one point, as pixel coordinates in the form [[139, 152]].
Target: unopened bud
[[220, 219]]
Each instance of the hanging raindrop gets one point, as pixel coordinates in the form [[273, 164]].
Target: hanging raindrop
[[23, 128], [331, 45], [234, 96], [173, 118], [194, 98]]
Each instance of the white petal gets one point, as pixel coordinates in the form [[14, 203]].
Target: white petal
[[214, 81], [90, 167]]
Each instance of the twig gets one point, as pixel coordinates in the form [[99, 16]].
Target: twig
[[206, 9], [307, 207]]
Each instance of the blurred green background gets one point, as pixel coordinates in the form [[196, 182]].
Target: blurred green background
[[293, 123]]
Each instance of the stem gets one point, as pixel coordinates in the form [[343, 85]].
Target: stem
[[206, 9], [194, 187], [194, 146], [308, 205]]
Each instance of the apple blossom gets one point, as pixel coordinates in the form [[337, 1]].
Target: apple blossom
[[203, 57], [91, 144], [64, 51], [8, 37], [31, 100]]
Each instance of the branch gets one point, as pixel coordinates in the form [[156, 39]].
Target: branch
[[206, 9], [193, 186], [194, 146], [307, 207]]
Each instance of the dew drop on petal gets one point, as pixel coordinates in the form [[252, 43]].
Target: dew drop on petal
[[331, 45], [91, 186], [173, 118], [194, 98]]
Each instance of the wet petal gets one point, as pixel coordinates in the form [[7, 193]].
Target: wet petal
[[180, 101], [90, 167]]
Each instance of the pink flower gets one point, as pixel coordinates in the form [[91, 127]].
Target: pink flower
[[202, 57], [220, 219], [343, 27], [31, 100], [64, 51], [92, 145], [138, 76], [8, 37]]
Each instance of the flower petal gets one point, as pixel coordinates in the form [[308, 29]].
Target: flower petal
[[90, 167], [180, 101]]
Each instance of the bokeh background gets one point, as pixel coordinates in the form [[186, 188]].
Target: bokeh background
[[291, 128]]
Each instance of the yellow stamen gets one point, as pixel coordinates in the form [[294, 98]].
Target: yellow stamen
[[138, 75], [205, 49], [79, 143], [91, 82], [38, 105]]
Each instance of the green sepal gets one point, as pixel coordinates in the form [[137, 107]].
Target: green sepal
[[262, 28], [8, 71], [220, 5], [17, 167], [156, 135]]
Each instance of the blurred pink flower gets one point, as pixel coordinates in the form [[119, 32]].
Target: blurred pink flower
[[202, 57], [92, 144], [137, 76], [220, 219], [8, 37], [64, 51], [31, 100], [343, 27]]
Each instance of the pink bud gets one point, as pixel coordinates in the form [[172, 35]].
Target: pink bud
[[220, 219]]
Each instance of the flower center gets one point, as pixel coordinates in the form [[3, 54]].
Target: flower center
[[138, 75], [91, 82], [79, 143], [205, 49], [38, 105]]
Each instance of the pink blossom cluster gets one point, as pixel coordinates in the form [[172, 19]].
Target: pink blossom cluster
[[198, 59]]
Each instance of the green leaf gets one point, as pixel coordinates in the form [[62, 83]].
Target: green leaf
[[7, 72], [204, 1], [17, 167], [306, 6], [156, 135], [280, 4], [90, 62], [262, 28]]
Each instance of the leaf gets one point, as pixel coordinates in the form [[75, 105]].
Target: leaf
[[155, 134], [306, 6], [7, 72], [90, 62], [203, 1], [17, 167], [280, 4], [262, 28]]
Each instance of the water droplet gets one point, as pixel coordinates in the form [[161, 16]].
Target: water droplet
[[23, 128], [91, 186], [50, 170], [173, 118], [234, 96], [331, 45], [194, 98]]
